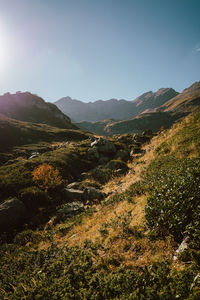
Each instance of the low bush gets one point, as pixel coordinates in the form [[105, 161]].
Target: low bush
[[26, 236], [70, 273], [47, 177], [117, 164], [173, 207], [33, 197]]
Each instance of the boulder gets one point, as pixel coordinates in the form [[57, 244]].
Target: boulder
[[93, 154], [91, 193], [74, 185], [72, 194], [104, 146], [12, 214], [71, 208]]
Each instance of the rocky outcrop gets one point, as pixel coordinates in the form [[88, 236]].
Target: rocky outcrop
[[71, 209], [104, 146], [85, 194], [12, 214], [91, 193]]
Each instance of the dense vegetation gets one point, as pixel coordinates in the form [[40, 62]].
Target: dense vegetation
[[72, 273], [174, 203], [33, 266]]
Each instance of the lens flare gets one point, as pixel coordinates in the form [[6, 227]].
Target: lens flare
[[3, 50]]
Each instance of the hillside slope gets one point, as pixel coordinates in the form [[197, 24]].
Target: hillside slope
[[188, 101], [31, 108], [141, 242]]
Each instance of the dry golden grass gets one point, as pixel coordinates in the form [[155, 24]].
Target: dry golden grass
[[126, 249]]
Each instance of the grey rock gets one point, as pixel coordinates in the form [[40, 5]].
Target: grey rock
[[182, 247], [91, 193], [71, 208], [74, 185], [104, 146], [12, 214], [73, 194]]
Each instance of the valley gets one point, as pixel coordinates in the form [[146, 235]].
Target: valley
[[84, 216]]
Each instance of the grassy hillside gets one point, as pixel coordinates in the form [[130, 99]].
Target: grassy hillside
[[19, 138], [125, 246]]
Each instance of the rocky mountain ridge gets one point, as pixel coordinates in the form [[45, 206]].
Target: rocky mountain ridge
[[113, 109], [151, 117], [31, 108]]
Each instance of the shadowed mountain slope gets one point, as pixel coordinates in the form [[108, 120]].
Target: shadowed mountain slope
[[31, 108]]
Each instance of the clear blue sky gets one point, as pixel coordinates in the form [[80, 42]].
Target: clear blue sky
[[98, 49]]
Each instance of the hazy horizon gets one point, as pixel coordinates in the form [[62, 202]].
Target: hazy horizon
[[98, 50]]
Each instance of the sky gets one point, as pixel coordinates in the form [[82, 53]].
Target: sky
[[98, 49]]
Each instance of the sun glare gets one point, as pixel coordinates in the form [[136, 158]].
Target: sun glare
[[3, 50]]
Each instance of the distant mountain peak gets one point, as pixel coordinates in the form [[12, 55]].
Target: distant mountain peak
[[113, 108]]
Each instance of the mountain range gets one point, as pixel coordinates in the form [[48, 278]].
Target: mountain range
[[114, 109], [148, 111]]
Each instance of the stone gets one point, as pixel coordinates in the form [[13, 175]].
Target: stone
[[104, 146], [71, 208], [182, 247], [91, 193], [12, 214], [74, 185], [73, 194]]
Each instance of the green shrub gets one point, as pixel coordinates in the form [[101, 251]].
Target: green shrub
[[117, 164], [33, 197], [101, 174], [174, 203], [26, 236], [70, 273]]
